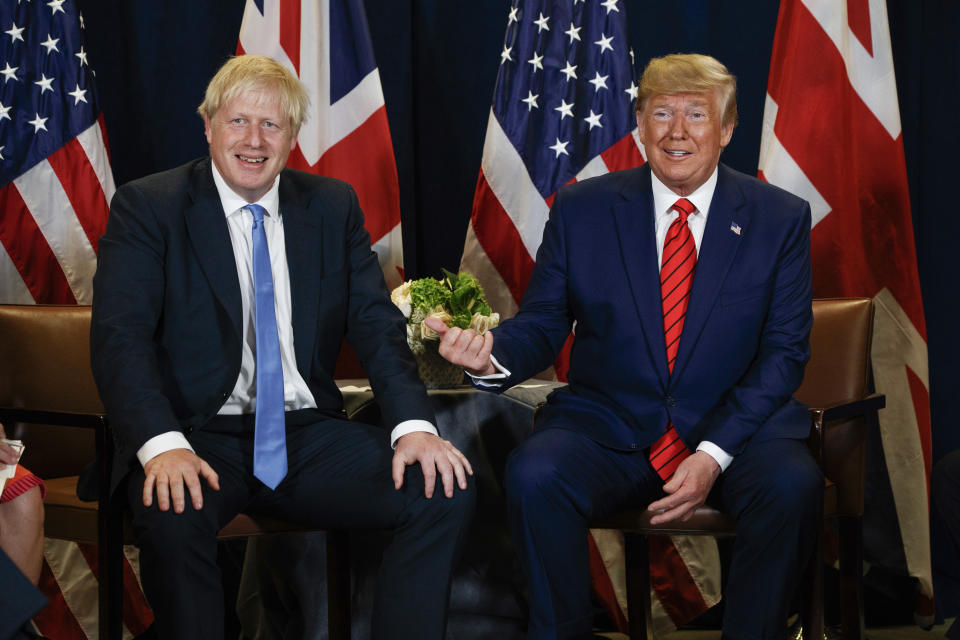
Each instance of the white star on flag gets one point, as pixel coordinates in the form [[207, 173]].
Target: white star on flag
[[542, 23], [599, 82], [78, 95], [44, 83], [51, 44], [564, 109], [531, 101], [593, 119], [536, 61], [560, 147], [604, 43], [38, 123]]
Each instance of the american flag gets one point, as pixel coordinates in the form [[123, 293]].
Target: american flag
[[326, 43], [563, 111], [861, 243], [55, 178]]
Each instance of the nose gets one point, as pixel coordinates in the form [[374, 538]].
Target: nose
[[678, 129], [253, 136]]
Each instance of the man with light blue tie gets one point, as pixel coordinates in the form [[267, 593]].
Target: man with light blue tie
[[222, 295]]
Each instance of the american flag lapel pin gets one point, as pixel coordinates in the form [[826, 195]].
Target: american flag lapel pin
[[735, 228]]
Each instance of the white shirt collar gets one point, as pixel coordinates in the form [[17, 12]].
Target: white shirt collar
[[232, 202], [664, 197]]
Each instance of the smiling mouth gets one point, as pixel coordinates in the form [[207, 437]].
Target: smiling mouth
[[676, 154], [251, 159]]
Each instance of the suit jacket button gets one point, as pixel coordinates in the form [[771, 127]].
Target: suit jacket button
[[634, 446], [670, 401]]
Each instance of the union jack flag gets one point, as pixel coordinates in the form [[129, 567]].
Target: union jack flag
[[326, 43], [55, 178]]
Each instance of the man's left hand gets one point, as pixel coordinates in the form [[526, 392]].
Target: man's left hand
[[435, 455], [687, 489]]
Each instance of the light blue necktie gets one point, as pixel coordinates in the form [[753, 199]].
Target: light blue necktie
[[270, 438]]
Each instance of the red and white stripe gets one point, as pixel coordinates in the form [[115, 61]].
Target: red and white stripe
[[348, 139], [506, 228], [831, 134], [53, 216], [69, 580]]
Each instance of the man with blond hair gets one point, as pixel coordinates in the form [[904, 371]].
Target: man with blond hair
[[222, 295], [688, 288]]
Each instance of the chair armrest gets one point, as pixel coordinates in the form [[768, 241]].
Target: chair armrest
[[59, 418], [843, 410], [852, 408]]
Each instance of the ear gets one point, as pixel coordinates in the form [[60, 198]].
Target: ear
[[640, 130], [206, 130], [726, 133]]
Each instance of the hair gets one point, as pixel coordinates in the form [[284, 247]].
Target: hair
[[252, 72], [689, 73]]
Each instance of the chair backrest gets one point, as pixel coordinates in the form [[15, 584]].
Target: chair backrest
[[45, 365], [839, 367]]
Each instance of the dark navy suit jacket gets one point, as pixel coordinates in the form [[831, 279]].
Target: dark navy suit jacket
[[166, 328], [745, 338]]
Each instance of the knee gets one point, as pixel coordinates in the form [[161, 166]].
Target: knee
[[793, 492], [530, 477], [26, 510]]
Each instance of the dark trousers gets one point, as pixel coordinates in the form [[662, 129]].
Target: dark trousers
[[945, 497], [339, 477], [559, 479]]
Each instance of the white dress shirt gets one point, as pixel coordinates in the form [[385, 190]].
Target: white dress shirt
[[663, 199], [243, 399]]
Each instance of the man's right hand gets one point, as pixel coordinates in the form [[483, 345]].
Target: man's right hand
[[169, 471], [464, 347]]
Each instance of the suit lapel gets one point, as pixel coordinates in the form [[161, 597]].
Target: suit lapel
[[210, 238], [717, 251], [636, 233], [302, 238]]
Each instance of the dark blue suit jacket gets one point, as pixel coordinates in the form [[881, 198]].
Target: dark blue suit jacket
[[745, 337], [166, 328]]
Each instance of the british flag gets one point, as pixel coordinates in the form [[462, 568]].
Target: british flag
[[563, 111], [326, 43], [845, 99]]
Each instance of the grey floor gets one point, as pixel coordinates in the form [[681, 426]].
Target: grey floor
[[873, 633]]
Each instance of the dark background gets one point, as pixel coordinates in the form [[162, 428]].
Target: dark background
[[438, 61]]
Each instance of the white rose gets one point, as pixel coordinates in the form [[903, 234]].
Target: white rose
[[401, 297], [481, 323], [440, 314]]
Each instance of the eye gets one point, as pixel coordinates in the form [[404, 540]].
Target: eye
[[661, 114], [237, 121], [697, 116]]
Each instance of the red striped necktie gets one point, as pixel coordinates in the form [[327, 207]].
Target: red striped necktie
[[676, 278]]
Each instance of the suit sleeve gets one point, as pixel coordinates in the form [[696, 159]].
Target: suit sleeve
[[530, 342], [776, 372], [376, 330], [128, 294]]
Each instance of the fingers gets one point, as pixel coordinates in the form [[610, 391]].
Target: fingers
[[399, 464], [429, 478], [467, 348], [437, 325], [148, 490], [210, 475], [196, 493], [177, 493]]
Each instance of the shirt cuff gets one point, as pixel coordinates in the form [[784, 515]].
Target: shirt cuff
[[161, 444], [409, 426], [722, 457], [493, 380]]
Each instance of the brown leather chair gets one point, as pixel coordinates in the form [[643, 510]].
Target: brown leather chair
[[836, 387], [48, 397]]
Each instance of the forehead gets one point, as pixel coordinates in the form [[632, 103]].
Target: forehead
[[705, 100], [259, 101]]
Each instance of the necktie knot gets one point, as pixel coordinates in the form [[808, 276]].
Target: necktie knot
[[683, 207], [258, 213]]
